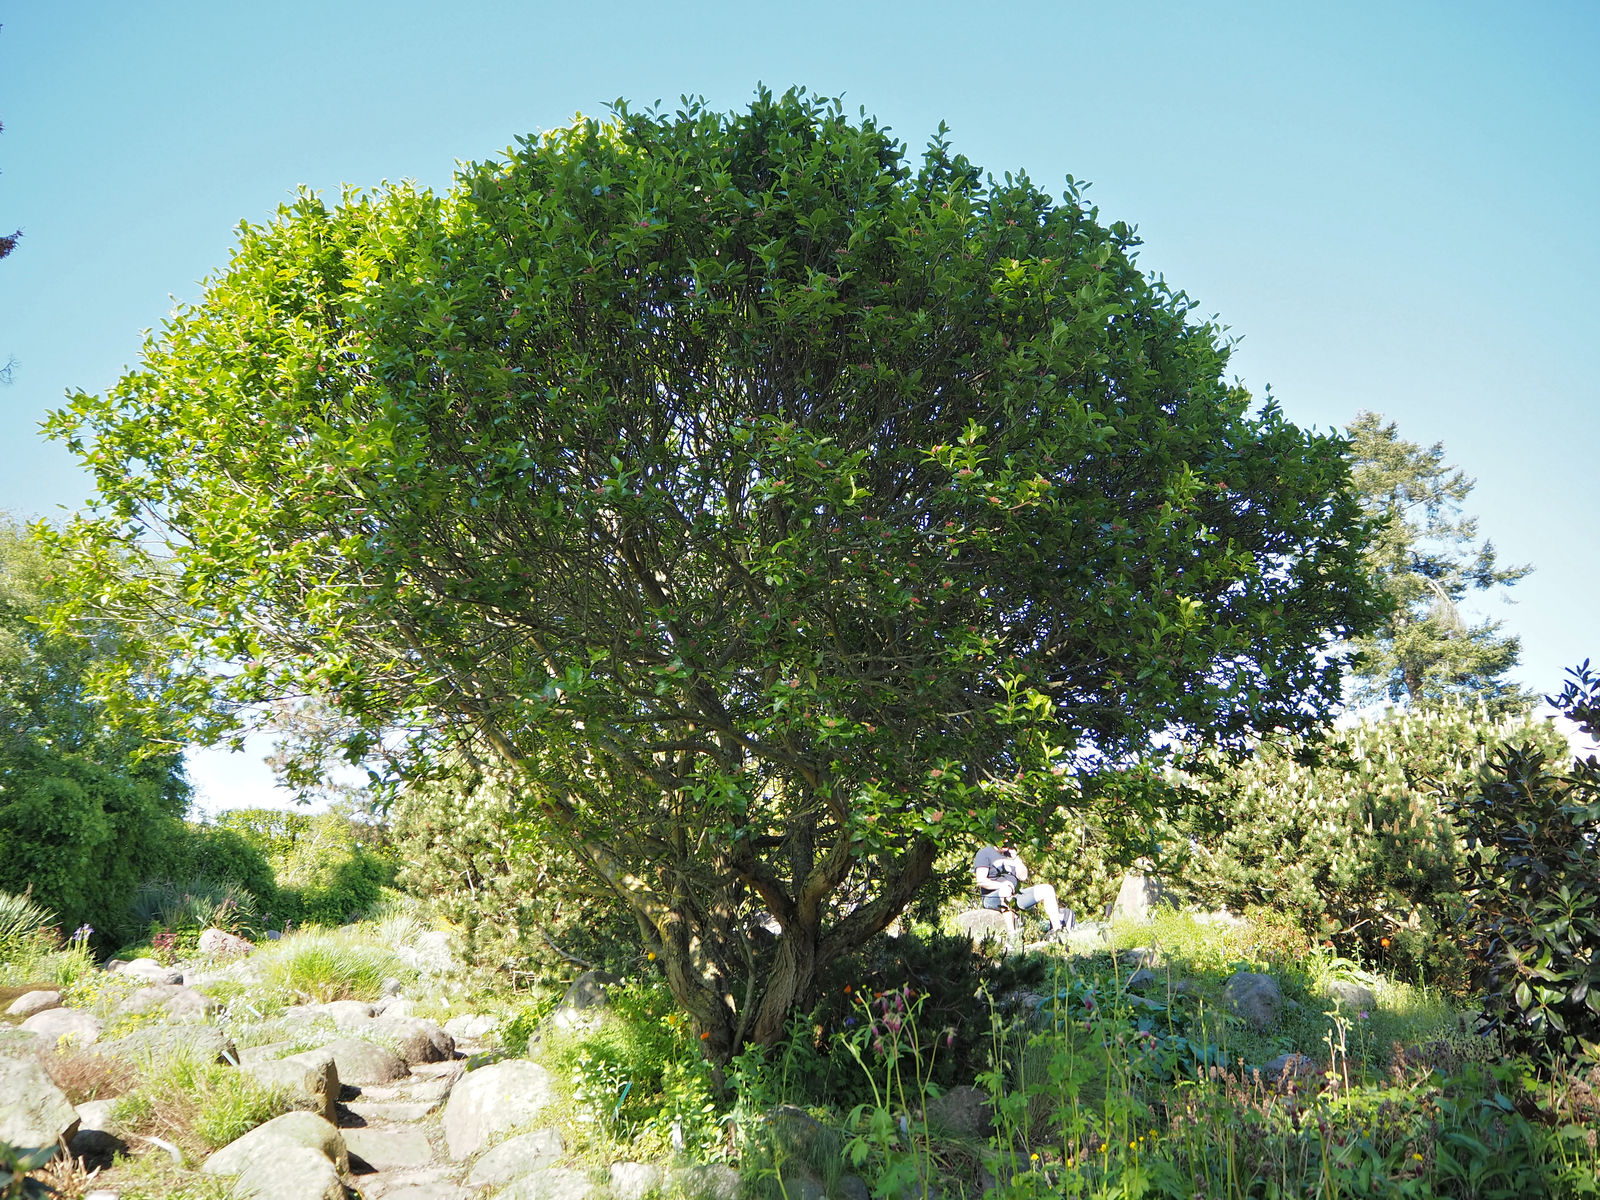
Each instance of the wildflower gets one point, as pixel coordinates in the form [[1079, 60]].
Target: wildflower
[[651, 956], [706, 1036], [847, 989], [1384, 942], [1418, 1157]]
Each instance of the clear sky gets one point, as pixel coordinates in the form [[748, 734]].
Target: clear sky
[[1396, 206]]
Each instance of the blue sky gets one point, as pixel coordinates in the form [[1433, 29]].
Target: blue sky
[[1396, 206]]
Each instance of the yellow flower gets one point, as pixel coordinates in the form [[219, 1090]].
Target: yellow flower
[[1418, 1157], [651, 956], [1034, 1156]]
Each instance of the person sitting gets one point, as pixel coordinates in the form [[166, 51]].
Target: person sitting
[[1000, 875]]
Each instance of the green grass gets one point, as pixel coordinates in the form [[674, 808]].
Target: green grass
[[324, 965], [197, 1105]]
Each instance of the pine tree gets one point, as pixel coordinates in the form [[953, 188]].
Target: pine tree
[[1427, 557]]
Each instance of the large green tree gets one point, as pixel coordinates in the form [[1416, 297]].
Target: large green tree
[[767, 510], [87, 812], [1427, 558]]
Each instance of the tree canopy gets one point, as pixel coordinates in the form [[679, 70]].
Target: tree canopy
[[1427, 559], [767, 510]]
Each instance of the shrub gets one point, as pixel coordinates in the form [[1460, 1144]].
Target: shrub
[[1350, 839], [326, 965], [1532, 876], [21, 923], [186, 908], [333, 874]]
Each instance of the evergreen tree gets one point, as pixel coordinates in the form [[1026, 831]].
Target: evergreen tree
[[1427, 557]]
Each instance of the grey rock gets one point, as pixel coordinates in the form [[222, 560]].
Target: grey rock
[[149, 968], [552, 1183], [266, 1142], [1254, 997], [394, 1006], [266, 1052], [311, 1079], [218, 943], [985, 924], [362, 1063], [962, 1110], [389, 987], [1140, 956], [1288, 1066], [490, 1102], [416, 1040], [146, 998], [290, 1173], [273, 935], [33, 1111], [589, 989], [634, 1180], [1137, 898], [1352, 997], [389, 1149], [29, 1003], [416, 1184], [390, 1112], [801, 1185], [852, 1187], [470, 1025], [797, 1134], [705, 1181], [57, 1023], [97, 1138], [160, 1041], [517, 1156], [348, 1012], [1143, 977]]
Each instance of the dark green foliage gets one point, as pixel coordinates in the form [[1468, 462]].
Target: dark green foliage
[[220, 854], [1427, 559], [15, 1164], [273, 832], [1347, 837], [950, 982], [1532, 879], [765, 504]]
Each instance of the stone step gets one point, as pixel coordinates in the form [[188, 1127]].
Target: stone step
[[388, 1112], [426, 1183], [385, 1148]]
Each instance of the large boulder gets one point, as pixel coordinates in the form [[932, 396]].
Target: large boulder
[[29, 1003], [1137, 898], [162, 1041], [551, 1183], [985, 924], [585, 997], [290, 1173], [1257, 998], [962, 1110], [348, 1012], [366, 1064], [34, 1112], [704, 1181], [416, 1040], [517, 1156], [311, 1079], [491, 1102], [149, 968], [57, 1023], [634, 1180], [1353, 998], [219, 943], [471, 1026], [265, 1143]]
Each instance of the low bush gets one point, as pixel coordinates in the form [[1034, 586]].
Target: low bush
[[1351, 838], [334, 873], [1532, 879]]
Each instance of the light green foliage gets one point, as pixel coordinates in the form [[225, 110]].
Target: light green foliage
[[635, 1074], [767, 508], [323, 965], [22, 920], [1532, 878], [1426, 556], [334, 872], [84, 817], [1348, 838]]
